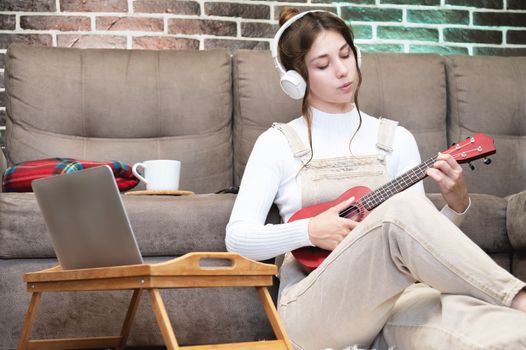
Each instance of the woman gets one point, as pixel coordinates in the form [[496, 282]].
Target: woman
[[365, 293]]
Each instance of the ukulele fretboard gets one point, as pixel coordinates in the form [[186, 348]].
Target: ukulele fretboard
[[397, 185]]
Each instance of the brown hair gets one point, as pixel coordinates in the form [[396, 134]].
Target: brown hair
[[296, 42]]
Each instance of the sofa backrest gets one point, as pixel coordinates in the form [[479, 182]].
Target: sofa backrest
[[128, 105], [133, 105], [407, 88], [488, 94], [258, 102]]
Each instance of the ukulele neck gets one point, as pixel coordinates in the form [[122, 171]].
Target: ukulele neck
[[397, 185]]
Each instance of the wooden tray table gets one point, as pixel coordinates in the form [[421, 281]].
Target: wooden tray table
[[182, 272]]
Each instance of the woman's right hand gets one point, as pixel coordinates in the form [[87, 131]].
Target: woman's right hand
[[328, 229]]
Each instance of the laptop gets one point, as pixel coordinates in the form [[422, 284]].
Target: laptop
[[86, 219]]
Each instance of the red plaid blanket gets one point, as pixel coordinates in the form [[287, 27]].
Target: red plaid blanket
[[18, 178]]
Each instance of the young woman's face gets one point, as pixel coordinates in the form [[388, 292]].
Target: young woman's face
[[333, 76]]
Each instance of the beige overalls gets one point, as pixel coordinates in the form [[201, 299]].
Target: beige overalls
[[364, 294]]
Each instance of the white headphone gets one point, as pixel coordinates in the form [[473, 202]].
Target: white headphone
[[291, 81]]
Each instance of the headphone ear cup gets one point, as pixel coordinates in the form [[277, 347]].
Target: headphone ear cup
[[293, 84]]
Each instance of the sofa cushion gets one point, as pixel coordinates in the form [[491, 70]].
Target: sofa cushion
[[518, 265], [163, 225], [258, 102], [488, 94], [516, 220], [172, 226], [485, 222], [3, 163], [127, 105], [408, 88]]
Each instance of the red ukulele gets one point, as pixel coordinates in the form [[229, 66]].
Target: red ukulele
[[366, 200]]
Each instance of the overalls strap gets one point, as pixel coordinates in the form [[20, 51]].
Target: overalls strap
[[385, 140], [296, 145]]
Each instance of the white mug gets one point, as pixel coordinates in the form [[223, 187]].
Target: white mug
[[159, 174]]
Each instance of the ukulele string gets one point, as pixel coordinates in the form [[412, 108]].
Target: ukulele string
[[389, 189], [357, 209], [351, 210]]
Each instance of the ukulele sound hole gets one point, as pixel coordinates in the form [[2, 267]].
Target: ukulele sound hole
[[354, 212]]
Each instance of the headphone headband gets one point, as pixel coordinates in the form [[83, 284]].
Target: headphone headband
[[279, 33], [291, 81], [277, 36]]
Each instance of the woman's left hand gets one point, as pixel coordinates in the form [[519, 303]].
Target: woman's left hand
[[450, 179]]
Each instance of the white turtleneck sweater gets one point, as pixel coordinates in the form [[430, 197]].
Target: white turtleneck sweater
[[270, 177]]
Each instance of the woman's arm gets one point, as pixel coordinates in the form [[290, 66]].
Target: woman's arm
[[450, 179], [446, 172], [246, 232]]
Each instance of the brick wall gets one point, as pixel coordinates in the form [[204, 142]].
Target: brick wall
[[474, 27]]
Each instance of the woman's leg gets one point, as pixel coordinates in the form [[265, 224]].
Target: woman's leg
[[424, 318], [349, 297]]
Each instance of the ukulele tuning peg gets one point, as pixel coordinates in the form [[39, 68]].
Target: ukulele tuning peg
[[487, 161], [471, 166]]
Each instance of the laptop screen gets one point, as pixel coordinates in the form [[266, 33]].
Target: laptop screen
[[86, 219]]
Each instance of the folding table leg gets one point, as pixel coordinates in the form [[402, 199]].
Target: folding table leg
[[28, 321], [163, 320], [273, 316], [130, 315]]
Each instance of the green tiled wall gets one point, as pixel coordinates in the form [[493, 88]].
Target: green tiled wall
[[469, 27]]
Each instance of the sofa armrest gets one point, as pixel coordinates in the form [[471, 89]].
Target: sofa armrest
[[516, 220]]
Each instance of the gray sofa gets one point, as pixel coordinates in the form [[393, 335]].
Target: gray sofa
[[206, 108]]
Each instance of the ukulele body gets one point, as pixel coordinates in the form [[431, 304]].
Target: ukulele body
[[312, 257]]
